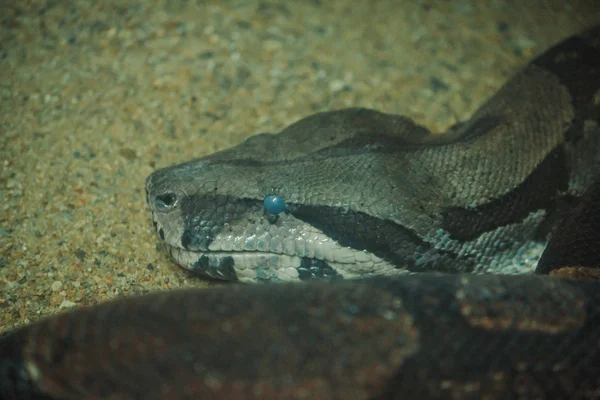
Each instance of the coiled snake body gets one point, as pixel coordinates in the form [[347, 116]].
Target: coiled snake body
[[438, 227]]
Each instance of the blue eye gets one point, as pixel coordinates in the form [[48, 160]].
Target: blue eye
[[274, 204]]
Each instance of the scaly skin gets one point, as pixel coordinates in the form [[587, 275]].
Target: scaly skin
[[423, 336]]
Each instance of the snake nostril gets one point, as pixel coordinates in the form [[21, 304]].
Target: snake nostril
[[166, 201]]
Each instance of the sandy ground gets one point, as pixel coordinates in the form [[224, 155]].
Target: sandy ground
[[97, 95]]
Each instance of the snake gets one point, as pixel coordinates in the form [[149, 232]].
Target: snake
[[367, 258]]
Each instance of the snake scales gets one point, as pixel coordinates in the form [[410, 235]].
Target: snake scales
[[357, 193]]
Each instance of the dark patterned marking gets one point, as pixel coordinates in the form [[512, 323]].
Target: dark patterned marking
[[224, 270], [206, 215], [538, 191], [574, 244], [196, 238], [576, 63], [313, 269], [384, 238]]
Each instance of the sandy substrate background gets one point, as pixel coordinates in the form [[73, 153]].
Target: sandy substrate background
[[95, 95]]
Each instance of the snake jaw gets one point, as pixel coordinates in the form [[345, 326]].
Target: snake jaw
[[279, 255]]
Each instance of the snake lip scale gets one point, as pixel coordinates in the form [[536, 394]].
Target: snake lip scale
[[402, 263]]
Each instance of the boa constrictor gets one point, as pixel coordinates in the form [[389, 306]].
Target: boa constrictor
[[440, 229]]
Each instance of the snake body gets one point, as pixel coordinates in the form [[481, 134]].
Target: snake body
[[438, 228]]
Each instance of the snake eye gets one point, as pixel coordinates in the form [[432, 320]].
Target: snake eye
[[165, 201], [274, 204]]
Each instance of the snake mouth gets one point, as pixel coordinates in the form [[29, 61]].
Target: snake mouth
[[265, 266], [240, 266], [258, 250]]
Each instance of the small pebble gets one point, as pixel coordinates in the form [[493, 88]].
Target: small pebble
[[67, 304], [56, 286], [336, 85]]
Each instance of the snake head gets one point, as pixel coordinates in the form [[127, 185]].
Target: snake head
[[292, 206]]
